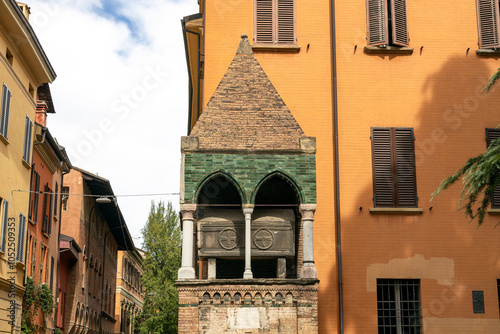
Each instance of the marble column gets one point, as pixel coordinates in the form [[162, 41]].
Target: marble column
[[247, 211], [308, 270], [187, 270]]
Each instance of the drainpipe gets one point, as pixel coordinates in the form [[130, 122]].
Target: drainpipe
[[56, 310], [198, 79], [337, 175]]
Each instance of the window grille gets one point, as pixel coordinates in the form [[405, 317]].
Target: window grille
[[398, 304]]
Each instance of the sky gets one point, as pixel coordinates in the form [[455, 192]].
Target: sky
[[121, 93]]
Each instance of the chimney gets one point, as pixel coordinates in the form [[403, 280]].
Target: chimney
[[41, 113], [25, 9]]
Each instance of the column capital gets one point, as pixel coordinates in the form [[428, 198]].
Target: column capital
[[188, 210], [247, 208], [307, 210]]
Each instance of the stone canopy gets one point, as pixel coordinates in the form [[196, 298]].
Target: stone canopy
[[246, 112]]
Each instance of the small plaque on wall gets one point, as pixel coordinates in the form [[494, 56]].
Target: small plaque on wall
[[478, 301]]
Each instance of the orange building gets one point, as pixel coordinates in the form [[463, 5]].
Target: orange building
[[395, 106], [49, 164]]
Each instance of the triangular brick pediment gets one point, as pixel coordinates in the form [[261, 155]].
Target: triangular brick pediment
[[246, 112]]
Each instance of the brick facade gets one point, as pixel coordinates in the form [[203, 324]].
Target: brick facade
[[261, 306]]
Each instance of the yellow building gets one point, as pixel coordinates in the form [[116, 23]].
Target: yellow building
[[129, 292], [23, 68]]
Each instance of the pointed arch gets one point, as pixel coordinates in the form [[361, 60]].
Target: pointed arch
[[284, 176], [218, 177]]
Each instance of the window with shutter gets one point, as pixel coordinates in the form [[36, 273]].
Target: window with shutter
[[387, 22], [488, 23], [46, 209], [4, 114], [5, 219], [64, 198], [20, 238], [37, 198], [275, 22], [49, 226], [27, 140], [56, 200], [491, 135], [394, 180]]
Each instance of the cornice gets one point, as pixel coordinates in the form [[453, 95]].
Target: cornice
[[123, 292]]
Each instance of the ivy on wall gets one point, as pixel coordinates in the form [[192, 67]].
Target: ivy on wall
[[37, 298]]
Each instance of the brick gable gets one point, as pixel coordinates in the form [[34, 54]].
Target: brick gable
[[246, 112]]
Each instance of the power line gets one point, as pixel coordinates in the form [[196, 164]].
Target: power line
[[103, 195]]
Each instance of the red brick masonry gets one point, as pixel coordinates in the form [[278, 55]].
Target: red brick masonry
[[248, 306]]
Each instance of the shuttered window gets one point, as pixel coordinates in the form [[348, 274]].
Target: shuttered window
[[28, 129], [20, 238], [492, 134], [394, 181], [36, 198], [4, 114], [488, 23], [275, 22], [47, 210], [5, 219], [387, 22]]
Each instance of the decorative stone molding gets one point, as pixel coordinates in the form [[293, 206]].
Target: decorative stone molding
[[308, 144], [189, 144]]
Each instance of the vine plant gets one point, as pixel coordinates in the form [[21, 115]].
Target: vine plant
[[37, 298]]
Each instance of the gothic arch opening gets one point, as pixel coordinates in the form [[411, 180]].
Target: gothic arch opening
[[219, 191]]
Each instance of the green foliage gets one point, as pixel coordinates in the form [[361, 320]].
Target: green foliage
[[37, 297], [480, 175], [491, 82], [162, 243]]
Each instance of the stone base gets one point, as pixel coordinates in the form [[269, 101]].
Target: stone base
[[185, 273], [248, 306], [308, 272]]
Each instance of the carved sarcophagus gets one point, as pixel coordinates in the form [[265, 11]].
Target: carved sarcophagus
[[222, 234]]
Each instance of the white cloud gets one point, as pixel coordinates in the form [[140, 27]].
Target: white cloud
[[120, 95]]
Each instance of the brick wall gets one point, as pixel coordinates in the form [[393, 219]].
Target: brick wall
[[259, 306]]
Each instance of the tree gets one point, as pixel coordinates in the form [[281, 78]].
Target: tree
[[162, 243], [480, 175]]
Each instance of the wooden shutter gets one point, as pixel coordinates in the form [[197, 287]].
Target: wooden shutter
[[20, 238], [405, 168], [56, 200], [49, 226], [264, 21], [32, 194], [394, 181], [50, 220], [377, 22], [383, 174], [5, 219], [286, 22], [45, 203], [488, 23], [4, 113], [27, 140], [399, 23], [37, 198], [492, 134]]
